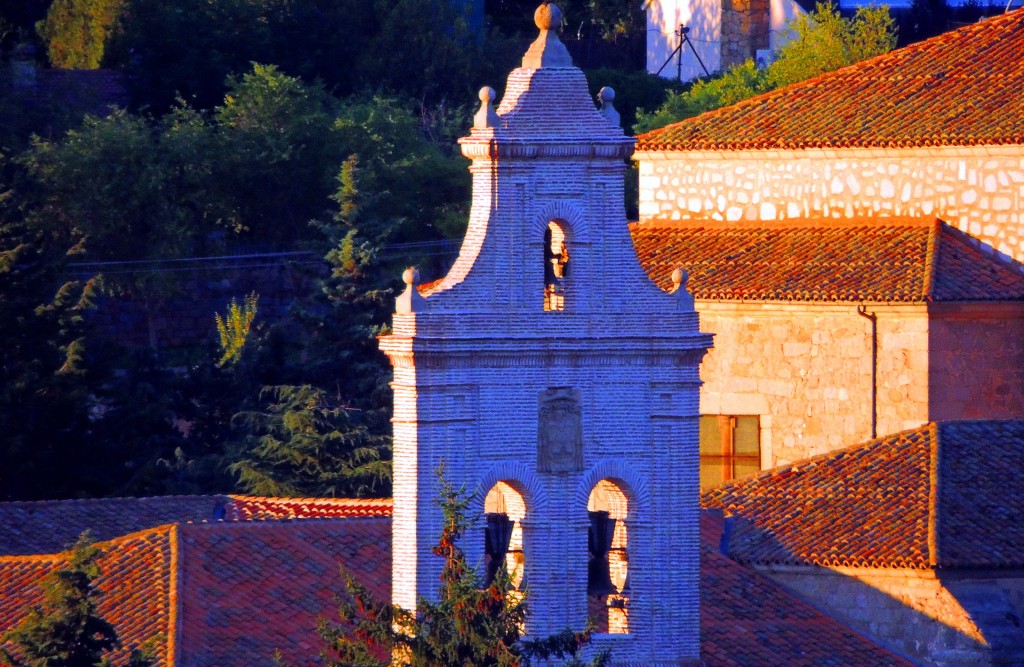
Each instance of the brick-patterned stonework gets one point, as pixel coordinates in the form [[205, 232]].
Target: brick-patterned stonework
[[934, 621], [980, 190], [479, 360]]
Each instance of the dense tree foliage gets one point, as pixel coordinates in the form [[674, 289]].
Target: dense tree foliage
[[66, 630], [422, 49], [822, 41], [77, 32], [467, 625], [280, 164], [303, 445]]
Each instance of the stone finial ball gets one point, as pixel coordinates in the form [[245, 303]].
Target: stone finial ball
[[547, 15], [606, 94], [487, 94], [679, 277], [411, 276]]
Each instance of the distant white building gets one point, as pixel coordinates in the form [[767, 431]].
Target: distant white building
[[723, 33]]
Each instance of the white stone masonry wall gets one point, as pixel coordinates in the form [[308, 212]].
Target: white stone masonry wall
[[980, 190]]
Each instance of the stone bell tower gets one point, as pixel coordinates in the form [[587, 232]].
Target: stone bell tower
[[555, 381]]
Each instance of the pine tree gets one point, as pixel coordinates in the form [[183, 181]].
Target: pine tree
[[66, 630], [299, 444], [467, 626]]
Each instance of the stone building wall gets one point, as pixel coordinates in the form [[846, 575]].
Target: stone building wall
[[947, 622], [977, 362], [745, 29], [979, 189], [805, 369]]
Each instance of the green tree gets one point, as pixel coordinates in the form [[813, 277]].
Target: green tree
[[303, 445], [44, 380], [823, 41], [77, 32], [66, 630], [467, 625], [233, 329]]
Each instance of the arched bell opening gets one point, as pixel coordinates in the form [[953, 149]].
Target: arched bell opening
[[608, 558], [504, 509], [556, 265]]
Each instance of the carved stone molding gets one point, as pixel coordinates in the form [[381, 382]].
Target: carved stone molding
[[559, 431]]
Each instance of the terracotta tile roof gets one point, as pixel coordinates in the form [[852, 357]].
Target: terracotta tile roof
[[946, 495], [250, 589], [747, 619], [248, 508], [137, 587], [51, 525], [891, 260], [961, 88]]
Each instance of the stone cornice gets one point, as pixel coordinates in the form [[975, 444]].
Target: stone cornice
[[483, 148], [430, 359]]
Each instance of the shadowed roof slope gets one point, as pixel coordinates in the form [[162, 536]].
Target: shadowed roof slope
[[51, 525], [747, 619], [961, 88], [908, 261], [945, 495], [137, 589], [250, 589]]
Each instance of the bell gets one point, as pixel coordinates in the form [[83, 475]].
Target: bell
[[599, 579], [497, 536]]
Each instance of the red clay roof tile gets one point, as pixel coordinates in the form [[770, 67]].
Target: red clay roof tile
[[249, 588], [910, 261], [940, 496], [51, 525], [961, 88], [747, 619], [136, 585]]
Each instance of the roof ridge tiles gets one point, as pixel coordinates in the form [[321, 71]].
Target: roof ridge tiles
[[120, 540], [86, 501], [814, 223]]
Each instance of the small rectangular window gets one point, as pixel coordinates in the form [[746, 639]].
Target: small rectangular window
[[730, 447]]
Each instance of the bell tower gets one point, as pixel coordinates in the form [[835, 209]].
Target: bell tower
[[554, 380]]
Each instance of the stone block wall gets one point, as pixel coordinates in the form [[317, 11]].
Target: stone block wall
[[977, 362], [805, 369], [979, 189], [951, 621], [745, 28]]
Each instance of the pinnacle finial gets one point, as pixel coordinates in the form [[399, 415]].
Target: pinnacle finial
[[679, 279], [606, 96], [547, 15], [410, 300], [547, 50], [486, 116]]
